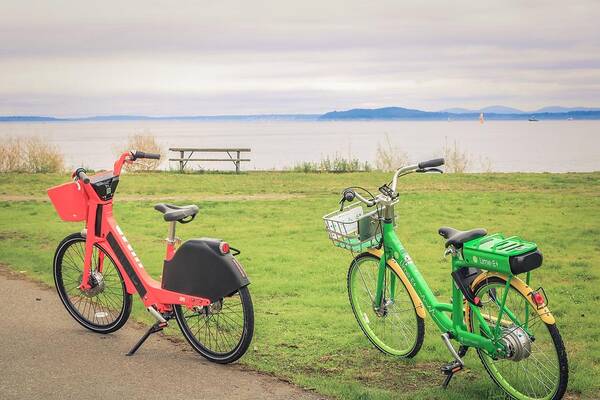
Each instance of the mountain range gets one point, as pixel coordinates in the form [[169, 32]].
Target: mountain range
[[490, 113], [386, 113], [510, 110]]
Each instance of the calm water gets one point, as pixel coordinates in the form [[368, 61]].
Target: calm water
[[556, 146]]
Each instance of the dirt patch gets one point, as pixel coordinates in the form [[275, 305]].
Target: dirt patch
[[6, 235]]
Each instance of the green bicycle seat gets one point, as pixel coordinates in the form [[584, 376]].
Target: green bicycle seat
[[457, 238]]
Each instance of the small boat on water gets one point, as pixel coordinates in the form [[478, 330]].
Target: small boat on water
[[533, 119]]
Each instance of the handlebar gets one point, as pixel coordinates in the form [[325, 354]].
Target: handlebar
[[81, 175], [349, 194], [140, 154], [421, 167], [130, 156], [431, 163]]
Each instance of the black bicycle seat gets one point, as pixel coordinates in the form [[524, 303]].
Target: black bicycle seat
[[177, 213], [458, 238]]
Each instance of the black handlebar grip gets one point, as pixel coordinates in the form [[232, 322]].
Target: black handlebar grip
[[140, 154], [80, 173], [431, 163]]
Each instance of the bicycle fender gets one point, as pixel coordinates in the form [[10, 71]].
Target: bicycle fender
[[199, 269], [524, 289], [419, 309]]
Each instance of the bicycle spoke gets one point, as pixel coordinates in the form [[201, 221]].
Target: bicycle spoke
[[219, 327], [537, 375], [391, 324], [101, 308]]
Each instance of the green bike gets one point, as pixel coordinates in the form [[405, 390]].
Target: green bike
[[492, 309]]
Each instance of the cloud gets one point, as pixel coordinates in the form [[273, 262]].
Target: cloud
[[211, 57]]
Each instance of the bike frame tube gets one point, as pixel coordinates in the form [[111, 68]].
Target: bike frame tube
[[455, 324], [103, 230]]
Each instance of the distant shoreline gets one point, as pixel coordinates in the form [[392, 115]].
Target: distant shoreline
[[357, 114], [315, 119]]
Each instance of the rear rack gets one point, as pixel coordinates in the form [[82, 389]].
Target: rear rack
[[509, 255], [498, 244]]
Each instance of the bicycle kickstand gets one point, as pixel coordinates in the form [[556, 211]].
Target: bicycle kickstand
[[161, 323], [157, 327], [455, 366]]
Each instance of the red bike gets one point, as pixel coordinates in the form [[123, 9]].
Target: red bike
[[96, 271]]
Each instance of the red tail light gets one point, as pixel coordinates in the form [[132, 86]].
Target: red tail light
[[224, 247], [538, 299]]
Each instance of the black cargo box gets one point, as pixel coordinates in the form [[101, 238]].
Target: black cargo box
[[199, 269]]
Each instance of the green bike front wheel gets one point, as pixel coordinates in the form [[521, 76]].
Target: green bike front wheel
[[392, 325], [536, 367]]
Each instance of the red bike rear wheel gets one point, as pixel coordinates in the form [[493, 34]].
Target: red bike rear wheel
[[222, 331]]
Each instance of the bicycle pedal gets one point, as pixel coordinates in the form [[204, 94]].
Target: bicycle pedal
[[449, 370], [452, 367]]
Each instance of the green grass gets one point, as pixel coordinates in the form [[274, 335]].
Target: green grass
[[305, 330]]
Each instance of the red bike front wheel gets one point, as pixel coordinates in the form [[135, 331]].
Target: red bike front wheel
[[103, 308]]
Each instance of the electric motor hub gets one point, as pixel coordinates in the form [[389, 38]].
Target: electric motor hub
[[96, 282], [517, 342], [216, 307]]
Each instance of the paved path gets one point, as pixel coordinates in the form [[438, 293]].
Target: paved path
[[45, 354]]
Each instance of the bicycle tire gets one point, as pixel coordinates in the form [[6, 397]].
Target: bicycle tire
[[204, 341], [113, 301], [555, 339], [414, 345]]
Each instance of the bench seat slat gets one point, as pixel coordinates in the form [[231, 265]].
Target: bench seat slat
[[209, 159], [207, 150]]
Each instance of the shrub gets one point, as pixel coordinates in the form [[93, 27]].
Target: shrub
[[11, 155], [486, 165], [334, 163], [456, 161], [41, 156], [146, 143], [31, 154], [389, 157]]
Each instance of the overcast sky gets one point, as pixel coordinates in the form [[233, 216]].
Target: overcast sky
[[73, 58]]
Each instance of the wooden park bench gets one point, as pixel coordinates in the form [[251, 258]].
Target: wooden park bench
[[183, 159]]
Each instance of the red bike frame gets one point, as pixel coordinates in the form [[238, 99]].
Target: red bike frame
[[102, 230]]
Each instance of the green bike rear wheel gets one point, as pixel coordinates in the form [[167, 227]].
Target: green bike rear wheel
[[538, 369], [395, 328]]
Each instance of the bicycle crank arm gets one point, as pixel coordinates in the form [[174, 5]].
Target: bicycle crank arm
[[446, 339]]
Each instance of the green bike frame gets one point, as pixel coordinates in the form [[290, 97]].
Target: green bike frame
[[449, 317]]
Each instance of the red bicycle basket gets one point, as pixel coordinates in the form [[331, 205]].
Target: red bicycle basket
[[69, 201]]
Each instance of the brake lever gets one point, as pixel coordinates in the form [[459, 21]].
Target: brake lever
[[425, 170]]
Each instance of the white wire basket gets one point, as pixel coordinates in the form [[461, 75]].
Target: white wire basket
[[354, 228]]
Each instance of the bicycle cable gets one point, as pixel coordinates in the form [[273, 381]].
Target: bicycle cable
[[379, 209]]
